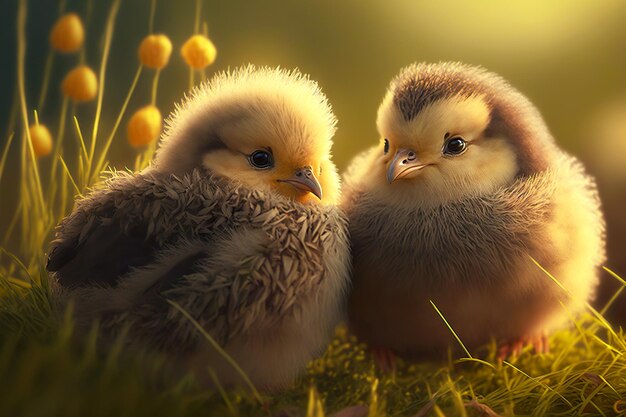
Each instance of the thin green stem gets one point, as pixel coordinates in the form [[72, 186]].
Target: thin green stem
[[63, 197], [614, 275], [108, 35], [15, 105], [21, 52], [5, 153], [611, 300], [57, 145], [196, 29], [69, 175], [155, 86], [138, 162], [151, 20], [88, 12], [205, 32], [61, 7], [82, 163], [24, 196], [196, 26], [220, 350], [12, 223], [458, 339], [17, 261], [47, 72], [81, 140], [220, 389], [103, 154]]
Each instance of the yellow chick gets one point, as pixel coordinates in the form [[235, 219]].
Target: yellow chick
[[465, 189], [234, 224]]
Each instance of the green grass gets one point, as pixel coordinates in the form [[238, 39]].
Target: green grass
[[47, 370]]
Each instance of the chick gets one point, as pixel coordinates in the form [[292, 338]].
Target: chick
[[234, 222], [465, 189]]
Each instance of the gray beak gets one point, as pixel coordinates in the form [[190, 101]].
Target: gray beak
[[404, 163], [304, 180]]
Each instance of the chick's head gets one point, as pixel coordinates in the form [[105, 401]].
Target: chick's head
[[450, 131], [270, 129]]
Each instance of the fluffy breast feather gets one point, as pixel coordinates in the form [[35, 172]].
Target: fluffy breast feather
[[455, 242]]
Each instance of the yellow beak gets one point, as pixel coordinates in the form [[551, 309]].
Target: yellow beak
[[404, 164], [304, 180]]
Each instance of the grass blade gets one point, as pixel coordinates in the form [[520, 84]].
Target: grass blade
[[219, 349], [103, 154], [458, 339], [108, 35], [69, 175], [5, 153], [21, 53]]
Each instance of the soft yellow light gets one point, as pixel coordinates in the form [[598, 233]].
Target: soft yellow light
[[512, 27]]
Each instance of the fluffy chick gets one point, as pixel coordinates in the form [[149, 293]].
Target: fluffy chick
[[234, 222], [465, 188]]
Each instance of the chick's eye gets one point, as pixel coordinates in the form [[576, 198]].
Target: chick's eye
[[386, 146], [455, 146], [261, 159]]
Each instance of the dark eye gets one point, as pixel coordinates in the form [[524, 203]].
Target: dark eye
[[455, 146], [386, 146], [261, 159]]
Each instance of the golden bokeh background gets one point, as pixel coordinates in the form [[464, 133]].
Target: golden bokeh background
[[569, 57]]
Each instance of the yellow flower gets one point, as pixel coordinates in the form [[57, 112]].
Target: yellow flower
[[155, 51], [199, 52], [80, 84], [144, 126], [41, 139], [68, 33]]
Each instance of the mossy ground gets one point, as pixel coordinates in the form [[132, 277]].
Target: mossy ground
[[46, 370]]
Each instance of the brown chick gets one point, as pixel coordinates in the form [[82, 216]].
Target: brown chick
[[465, 189], [234, 224]]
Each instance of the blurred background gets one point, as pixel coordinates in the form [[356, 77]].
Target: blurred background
[[568, 57]]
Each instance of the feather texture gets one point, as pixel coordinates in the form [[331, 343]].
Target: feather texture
[[242, 262], [464, 229]]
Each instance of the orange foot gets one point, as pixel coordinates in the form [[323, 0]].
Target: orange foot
[[384, 358], [513, 349]]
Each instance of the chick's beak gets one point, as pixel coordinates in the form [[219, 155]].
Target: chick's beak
[[304, 180], [404, 164]]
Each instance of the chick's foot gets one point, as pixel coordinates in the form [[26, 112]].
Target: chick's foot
[[513, 349], [384, 358]]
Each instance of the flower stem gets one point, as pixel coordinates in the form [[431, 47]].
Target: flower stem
[[101, 161], [108, 34], [21, 52], [155, 86], [57, 150], [46, 80], [151, 21]]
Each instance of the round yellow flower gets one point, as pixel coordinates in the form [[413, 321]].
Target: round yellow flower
[[80, 84], [41, 139], [155, 51], [199, 52], [144, 126], [68, 33]]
